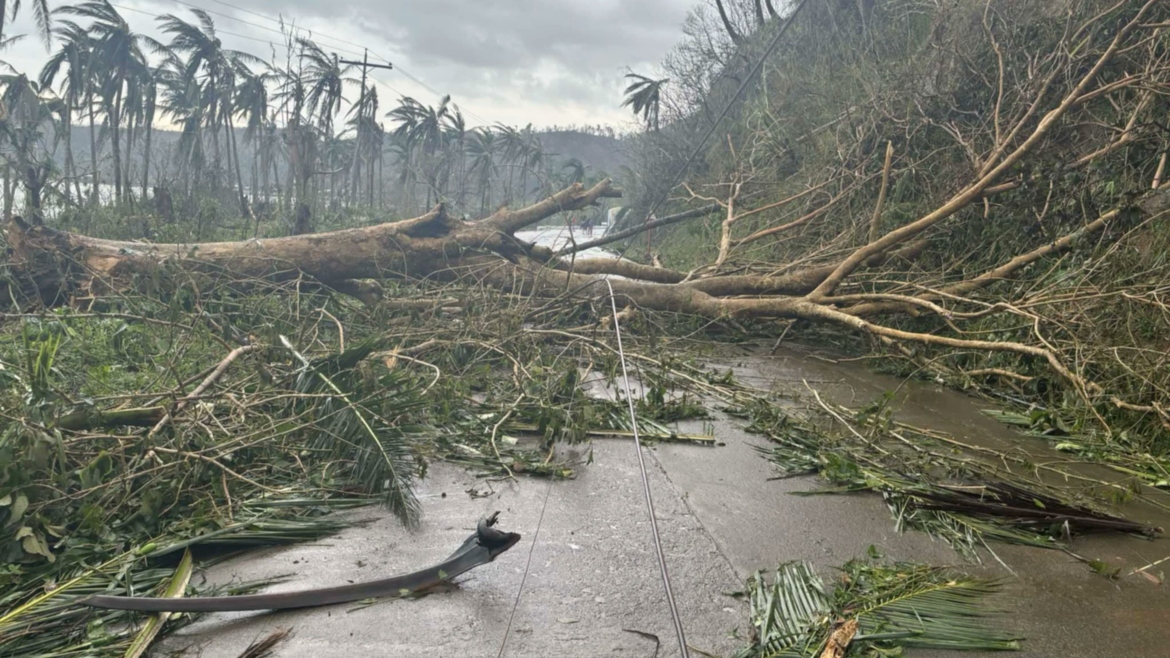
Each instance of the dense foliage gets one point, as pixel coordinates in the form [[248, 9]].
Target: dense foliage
[[870, 117]]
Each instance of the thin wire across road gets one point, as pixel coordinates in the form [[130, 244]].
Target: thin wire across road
[[678, 626]]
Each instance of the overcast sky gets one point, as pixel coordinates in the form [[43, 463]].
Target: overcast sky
[[515, 61]]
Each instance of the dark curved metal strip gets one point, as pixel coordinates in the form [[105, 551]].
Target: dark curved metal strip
[[479, 549]]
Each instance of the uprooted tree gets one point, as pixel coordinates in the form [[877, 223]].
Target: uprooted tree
[[1040, 121]]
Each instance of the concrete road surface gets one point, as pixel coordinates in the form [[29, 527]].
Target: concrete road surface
[[593, 586]]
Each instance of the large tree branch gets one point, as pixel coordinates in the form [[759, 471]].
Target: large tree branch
[[523, 280], [622, 267], [622, 235], [974, 190], [573, 197], [800, 282], [1152, 207]]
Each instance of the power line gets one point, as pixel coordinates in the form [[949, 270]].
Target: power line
[[234, 34], [256, 25], [317, 34], [680, 634], [280, 32]]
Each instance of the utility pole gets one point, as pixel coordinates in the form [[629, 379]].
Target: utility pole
[[357, 142]]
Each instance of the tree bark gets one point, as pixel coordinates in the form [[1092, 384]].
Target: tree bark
[[93, 155], [58, 263], [146, 160], [731, 31], [436, 246], [131, 125], [235, 155], [115, 118]]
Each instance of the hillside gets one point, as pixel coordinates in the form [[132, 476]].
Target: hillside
[[601, 152], [960, 175]]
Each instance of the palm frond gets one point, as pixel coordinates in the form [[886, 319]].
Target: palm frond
[[943, 494], [788, 614], [902, 605], [176, 588], [928, 607], [368, 431]]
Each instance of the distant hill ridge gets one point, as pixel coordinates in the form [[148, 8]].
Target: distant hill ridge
[[600, 152]]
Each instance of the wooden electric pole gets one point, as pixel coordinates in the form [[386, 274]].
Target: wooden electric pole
[[357, 142]]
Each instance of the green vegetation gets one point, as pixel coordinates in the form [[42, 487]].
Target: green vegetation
[[966, 495], [884, 607], [982, 204], [219, 422], [972, 192]]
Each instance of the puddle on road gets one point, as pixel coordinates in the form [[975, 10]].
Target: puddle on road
[[934, 407], [1057, 602]]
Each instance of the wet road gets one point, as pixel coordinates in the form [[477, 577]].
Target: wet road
[[593, 576]]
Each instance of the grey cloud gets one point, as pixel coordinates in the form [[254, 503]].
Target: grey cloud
[[511, 34], [544, 59]]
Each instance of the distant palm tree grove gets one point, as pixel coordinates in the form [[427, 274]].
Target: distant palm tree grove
[[292, 139]]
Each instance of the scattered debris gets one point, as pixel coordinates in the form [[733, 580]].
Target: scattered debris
[[176, 588], [873, 608], [480, 548], [838, 643], [263, 648], [927, 484]]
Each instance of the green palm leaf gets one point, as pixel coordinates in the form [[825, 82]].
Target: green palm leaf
[[931, 607], [365, 430], [176, 588], [788, 614], [903, 605]]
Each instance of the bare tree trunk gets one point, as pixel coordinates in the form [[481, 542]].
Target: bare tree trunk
[[93, 154], [130, 130], [115, 120], [424, 243], [370, 183], [70, 166], [235, 158], [9, 191], [146, 160], [254, 175], [731, 31]]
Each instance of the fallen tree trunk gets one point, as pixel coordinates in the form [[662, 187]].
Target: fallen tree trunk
[[54, 264], [57, 266]]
